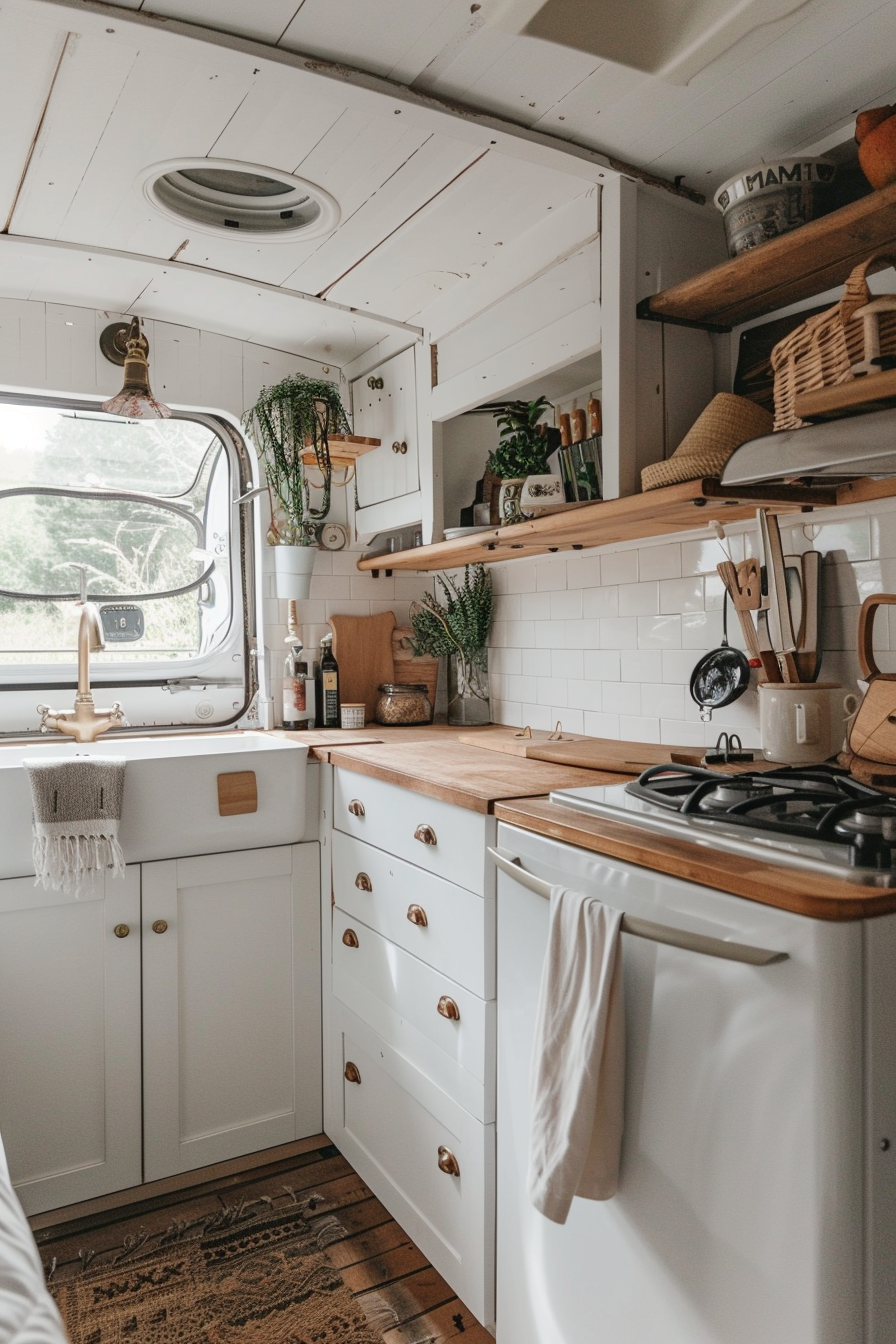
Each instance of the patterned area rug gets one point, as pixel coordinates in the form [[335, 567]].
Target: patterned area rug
[[250, 1273]]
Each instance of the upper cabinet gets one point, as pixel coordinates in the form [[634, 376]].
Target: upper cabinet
[[384, 406]]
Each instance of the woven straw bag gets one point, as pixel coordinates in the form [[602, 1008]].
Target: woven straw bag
[[821, 352], [726, 423]]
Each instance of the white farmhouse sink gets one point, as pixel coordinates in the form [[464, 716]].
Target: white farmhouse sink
[[170, 795]]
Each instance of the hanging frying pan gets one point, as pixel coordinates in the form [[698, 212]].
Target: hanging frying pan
[[721, 676]]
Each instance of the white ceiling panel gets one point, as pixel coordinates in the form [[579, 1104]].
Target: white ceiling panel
[[438, 45], [425, 174], [279, 122], [269, 317], [59, 274], [455, 235], [523, 81], [91, 76], [264, 20], [29, 53], [372, 36]]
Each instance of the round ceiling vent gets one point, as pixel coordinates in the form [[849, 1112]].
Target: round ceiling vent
[[233, 199]]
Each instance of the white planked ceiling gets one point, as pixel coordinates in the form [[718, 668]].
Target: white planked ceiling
[[780, 88], [434, 202]]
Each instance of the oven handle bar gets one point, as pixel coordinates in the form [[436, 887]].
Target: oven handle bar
[[646, 928]]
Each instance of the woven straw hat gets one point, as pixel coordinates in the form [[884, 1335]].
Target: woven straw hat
[[727, 422]]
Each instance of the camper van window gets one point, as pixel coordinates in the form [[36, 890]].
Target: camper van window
[[143, 509]]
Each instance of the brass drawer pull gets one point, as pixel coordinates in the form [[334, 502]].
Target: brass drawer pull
[[448, 1162], [363, 882], [448, 1008], [350, 938], [160, 926], [426, 835], [352, 1073], [356, 807], [121, 930], [417, 915]]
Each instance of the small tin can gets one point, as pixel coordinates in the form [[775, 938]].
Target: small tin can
[[352, 716]]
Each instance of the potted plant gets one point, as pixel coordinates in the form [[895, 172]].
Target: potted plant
[[522, 451], [287, 420], [459, 629]]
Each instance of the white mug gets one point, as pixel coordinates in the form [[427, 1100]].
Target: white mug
[[801, 722]]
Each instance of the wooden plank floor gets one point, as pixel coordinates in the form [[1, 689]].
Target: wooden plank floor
[[399, 1291]]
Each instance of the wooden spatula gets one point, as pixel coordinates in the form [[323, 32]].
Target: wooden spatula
[[729, 576]]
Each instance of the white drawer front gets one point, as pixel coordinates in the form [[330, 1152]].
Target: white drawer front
[[396, 1143], [436, 836], [458, 936], [446, 1031]]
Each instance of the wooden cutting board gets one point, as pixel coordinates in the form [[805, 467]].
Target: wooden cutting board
[[517, 741], [362, 646]]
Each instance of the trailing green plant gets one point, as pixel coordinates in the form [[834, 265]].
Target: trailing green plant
[[522, 450], [460, 625], [282, 421]]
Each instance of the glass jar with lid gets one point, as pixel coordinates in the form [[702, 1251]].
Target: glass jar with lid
[[403, 704]]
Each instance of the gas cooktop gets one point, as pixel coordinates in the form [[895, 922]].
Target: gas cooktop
[[816, 818]]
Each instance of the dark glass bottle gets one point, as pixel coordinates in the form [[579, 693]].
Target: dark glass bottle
[[329, 700]]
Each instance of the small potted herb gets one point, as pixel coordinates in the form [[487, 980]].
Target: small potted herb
[[459, 628], [289, 419], [522, 451]]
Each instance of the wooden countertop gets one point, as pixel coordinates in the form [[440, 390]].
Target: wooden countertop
[[809, 894], [460, 774]]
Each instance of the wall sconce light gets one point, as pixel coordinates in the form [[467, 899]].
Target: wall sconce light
[[135, 401]]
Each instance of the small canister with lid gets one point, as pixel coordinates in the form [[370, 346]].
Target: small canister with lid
[[404, 705]]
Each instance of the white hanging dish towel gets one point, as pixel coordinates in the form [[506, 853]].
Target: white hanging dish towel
[[76, 808], [578, 1061]]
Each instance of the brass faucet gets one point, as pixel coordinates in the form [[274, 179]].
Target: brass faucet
[[84, 723]]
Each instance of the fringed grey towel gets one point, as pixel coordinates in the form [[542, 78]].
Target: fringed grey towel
[[76, 808]]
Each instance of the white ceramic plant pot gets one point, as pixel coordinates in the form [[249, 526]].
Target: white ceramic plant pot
[[293, 566]]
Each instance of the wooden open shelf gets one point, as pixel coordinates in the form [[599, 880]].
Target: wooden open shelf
[[675, 508], [785, 270], [345, 449]]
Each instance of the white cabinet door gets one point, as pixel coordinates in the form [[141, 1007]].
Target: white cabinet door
[[388, 413], [70, 1039], [231, 1027]]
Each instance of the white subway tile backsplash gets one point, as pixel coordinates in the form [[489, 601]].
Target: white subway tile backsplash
[[621, 697], [602, 666], [551, 691], [329, 586], [638, 729], [660, 562], [659, 632], [620, 632], [608, 642], [619, 567], [567, 663], [584, 694], [566, 605], [639, 599], [641, 665], [537, 662], [680, 595]]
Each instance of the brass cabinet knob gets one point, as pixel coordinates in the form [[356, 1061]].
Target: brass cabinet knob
[[426, 835], [417, 915], [350, 938], [160, 925], [352, 1073], [399, 447], [356, 807], [448, 1008], [121, 930], [363, 882], [375, 384], [448, 1162]]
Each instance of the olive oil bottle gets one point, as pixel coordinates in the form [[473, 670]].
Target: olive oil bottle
[[328, 700]]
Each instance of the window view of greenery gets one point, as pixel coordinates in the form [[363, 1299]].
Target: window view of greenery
[[65, 481]]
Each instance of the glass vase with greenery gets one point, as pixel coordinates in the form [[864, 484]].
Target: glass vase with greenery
[[294, 415], [459, 628]]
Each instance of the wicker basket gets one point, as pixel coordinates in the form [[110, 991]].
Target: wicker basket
[[822, 351]]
